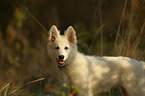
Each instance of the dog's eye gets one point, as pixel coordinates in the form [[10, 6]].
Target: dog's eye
[[57, 47], [66, 48]]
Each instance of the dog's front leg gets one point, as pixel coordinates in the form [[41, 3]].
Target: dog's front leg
[[90, 91]]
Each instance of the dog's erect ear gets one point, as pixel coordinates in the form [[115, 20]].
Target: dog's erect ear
[[53, 33], [71, 34]]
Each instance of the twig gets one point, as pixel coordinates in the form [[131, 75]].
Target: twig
[[35, 81], [30, 14]]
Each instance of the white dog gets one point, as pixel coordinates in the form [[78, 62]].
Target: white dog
[[94, 74]]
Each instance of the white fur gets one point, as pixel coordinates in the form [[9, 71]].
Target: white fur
[[95, 74]]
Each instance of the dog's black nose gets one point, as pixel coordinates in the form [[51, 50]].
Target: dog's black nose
[[61, 57]]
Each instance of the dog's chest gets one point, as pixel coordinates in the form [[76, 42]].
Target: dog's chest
[[75, 78]]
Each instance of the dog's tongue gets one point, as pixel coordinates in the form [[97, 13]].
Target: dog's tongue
[[61, 62]]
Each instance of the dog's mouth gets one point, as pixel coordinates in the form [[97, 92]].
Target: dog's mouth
[[61, 62]]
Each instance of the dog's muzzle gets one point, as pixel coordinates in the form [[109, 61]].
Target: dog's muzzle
[[60, 60]]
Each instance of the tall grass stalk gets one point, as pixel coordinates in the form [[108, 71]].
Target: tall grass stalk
[[101, 24], [117, 35], [137, 41]]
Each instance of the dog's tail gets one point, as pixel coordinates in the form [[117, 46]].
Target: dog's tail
[[143, 64]]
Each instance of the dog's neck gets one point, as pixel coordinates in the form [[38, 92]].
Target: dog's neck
[[60, 67]]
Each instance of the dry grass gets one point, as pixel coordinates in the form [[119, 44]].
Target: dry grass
[[7, 90]]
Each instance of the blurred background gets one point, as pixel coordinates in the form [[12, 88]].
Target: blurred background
[[104, 27]]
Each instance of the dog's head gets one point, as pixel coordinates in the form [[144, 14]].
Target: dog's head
[[61, 47]]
